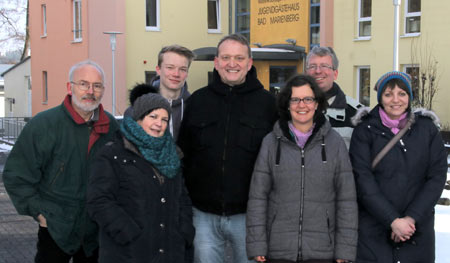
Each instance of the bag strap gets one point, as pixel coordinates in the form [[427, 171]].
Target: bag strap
[[391, 144]]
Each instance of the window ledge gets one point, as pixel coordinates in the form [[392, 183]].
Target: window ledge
[[44, 36], [45, 103], [410, 35], [77, 41], [362, 39], [215, 31], [152, 29]]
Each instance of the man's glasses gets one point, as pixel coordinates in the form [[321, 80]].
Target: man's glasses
[[84, 85], [306, 100], [314, 67]]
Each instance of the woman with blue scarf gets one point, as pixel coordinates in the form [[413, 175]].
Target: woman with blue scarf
[[136, 193]]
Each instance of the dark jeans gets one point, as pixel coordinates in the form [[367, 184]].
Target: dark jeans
[[306, 261], [49, 252]]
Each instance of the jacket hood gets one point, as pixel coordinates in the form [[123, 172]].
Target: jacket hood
[[251, 83], [183, 95], [365, 112]]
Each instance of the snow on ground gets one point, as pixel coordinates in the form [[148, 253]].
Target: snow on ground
[[442, 228], [5, 147]]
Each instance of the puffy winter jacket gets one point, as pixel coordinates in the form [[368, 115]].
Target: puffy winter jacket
[[408, 181], [302, 202]]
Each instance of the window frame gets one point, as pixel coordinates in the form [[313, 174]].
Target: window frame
[[77, 31], [157, 27], [218, 29], [409, 15], [245, 33], [44, 20], [405, 68], [358, 83], [313, 25], [364, 19]]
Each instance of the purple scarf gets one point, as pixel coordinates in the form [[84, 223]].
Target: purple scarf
[[300, 137], [394, 125]]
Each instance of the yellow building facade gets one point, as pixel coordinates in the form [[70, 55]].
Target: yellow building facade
[[177, 22], [364, 44]]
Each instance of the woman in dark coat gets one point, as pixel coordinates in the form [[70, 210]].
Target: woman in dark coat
[[136, 193], [397, 197]]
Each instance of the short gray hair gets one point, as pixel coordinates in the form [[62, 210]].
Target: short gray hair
[[86, 63], [322, 52]]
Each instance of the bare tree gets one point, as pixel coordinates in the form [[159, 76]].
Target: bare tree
[[426, 79], [13, 32]]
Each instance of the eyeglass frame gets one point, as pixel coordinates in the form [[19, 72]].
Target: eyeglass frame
[[82, 84], [306, 100], [321, 66]]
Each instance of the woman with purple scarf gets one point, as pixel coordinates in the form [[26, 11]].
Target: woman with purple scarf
[[397, 195], [302, 202]]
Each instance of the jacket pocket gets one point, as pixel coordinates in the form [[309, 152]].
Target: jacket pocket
[[252, 132], [204, 133]]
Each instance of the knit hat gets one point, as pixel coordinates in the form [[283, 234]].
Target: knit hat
[[148, 102], [380, 86]]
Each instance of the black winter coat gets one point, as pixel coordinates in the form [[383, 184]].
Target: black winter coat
[[408, 181], [220, 135], [143, 217]]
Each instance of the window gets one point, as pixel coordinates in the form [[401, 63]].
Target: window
[[412, 16], [44, 88], [365, 18], [77, 21], [278, 77], [213, 16], [152, 15], [44, 21], [363, 85], [149, 76], [414, 72], [243, 18], [315, 23]]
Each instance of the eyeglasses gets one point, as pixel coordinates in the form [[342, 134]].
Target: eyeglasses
[[85, 85], [321, 66], [306, 100]]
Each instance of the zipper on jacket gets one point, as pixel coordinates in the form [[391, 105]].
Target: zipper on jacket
[[224, 157], [328, 225], [60, 171], [302, 198]]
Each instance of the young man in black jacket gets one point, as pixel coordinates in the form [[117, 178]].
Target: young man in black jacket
[[221, 133]]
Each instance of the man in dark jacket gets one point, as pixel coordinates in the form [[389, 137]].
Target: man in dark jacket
[[322, 64], [46, 172], [221, 133]]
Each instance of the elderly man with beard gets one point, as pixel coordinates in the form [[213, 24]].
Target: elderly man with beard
[[46, 172]]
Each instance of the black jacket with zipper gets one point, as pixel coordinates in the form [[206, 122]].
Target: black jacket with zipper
[[220, 135]]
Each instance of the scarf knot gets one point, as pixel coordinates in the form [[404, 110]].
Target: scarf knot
[[394, 125], [159, 151]]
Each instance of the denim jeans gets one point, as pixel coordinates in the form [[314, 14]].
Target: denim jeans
[[211, 234]]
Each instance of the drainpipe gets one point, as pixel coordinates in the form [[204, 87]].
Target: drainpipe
[[230, 17], [397, 4]]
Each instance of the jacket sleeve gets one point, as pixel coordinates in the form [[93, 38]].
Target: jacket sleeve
[[186, 226], [346, 207], [24, 169], [436, 175], [260, 187], [369, 193], [102, 204]]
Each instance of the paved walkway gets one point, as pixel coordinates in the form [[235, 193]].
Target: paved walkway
[[18, 234]]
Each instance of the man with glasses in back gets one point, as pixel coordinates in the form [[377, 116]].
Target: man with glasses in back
[[322, 64], [46, 172]]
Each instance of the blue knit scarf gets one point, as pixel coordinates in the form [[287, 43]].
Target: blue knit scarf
[[159, 151]]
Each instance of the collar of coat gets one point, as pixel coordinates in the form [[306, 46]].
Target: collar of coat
[[251, 83], [366, 112]]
